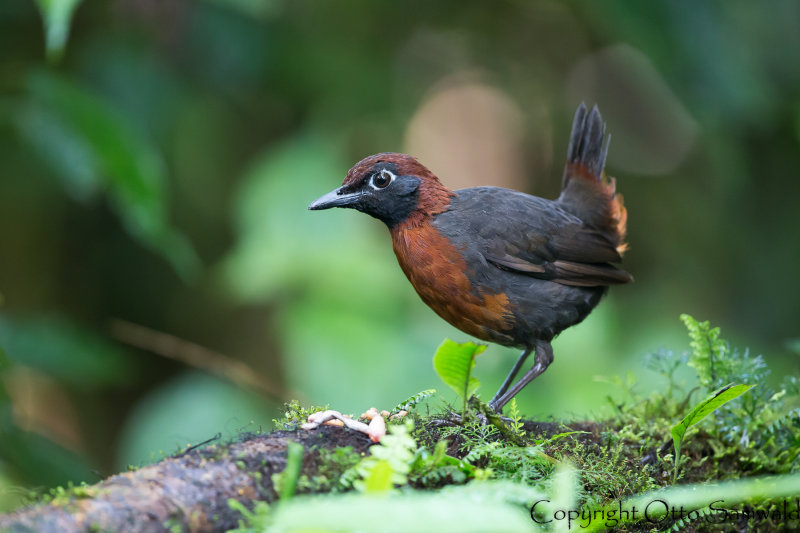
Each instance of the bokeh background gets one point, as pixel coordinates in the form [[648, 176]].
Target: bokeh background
[[162, 281]]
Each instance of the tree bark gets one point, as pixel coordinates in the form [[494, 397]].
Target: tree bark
[[190, 490]]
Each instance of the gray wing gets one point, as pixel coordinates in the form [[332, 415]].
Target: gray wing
[[531, 236]]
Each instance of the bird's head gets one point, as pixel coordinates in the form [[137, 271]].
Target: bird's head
[[391, 187]]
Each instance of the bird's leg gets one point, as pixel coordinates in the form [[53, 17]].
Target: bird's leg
[[542, 359], [511, 375]]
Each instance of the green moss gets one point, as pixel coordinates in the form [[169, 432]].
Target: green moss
[[626, 454], [62, 496], [294, 415]]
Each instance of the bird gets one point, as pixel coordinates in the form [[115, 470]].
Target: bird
[[501, 265]]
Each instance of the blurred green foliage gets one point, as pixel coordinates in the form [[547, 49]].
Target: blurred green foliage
[[185, 411], [157, 159], [91, 147], [40, 343], [56, 15]]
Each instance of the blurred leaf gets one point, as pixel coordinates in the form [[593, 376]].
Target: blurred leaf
[[11, 497], [729, 494], [670, 132], [56, 15], [91, 145], [565, 489], [5, 403], [65, 350], [40, 461], [5, 363], [187, 410], [258, 9], [379, 479], [290, 475], [454, 363], [443, 512], [68, 154], [794, 345], [388, 463]]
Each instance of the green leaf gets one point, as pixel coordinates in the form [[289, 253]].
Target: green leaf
[[392, 459], [257, 519], [454, 362], [290, 475], [726, 494], [104, 151], [565, 483], [379, 478], [699, 412], [454, 511], [56, 15], [705, 408], [440, 453]]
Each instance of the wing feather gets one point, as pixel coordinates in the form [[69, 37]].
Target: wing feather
[[534, 237]]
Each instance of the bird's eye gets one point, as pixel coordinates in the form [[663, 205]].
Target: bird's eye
[[381, 180]]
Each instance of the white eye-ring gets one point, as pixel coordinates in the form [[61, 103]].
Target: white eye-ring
[[381, 180]]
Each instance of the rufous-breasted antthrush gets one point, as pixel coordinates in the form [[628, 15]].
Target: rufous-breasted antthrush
[[501, 265]]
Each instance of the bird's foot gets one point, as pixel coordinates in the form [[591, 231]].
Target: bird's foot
[[496, 420]]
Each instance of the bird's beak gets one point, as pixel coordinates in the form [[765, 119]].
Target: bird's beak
[[335, 198]]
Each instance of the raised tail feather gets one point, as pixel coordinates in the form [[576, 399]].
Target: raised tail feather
[[586, 192]]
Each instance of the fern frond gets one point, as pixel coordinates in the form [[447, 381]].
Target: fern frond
[[785, 422], [707, 348], [479, 452], [409, 403], [391, 459]]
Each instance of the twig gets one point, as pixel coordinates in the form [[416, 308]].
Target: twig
[[197, 356], [199, 445]]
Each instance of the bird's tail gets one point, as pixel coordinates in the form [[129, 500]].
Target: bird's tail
[[586, 192]]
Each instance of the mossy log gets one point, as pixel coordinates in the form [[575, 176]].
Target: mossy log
[[189, 490]]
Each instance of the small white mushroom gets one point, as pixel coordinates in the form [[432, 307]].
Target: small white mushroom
[[376, 429], [323, 416]]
